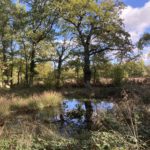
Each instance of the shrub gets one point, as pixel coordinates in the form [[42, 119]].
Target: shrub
[[118, 74]]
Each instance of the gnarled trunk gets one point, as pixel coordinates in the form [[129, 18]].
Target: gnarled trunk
[[87, 70]]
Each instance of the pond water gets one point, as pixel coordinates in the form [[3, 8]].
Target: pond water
[[74, 103], [75, 114]]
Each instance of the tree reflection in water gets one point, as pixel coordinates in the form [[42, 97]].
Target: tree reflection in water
[[88, 114]]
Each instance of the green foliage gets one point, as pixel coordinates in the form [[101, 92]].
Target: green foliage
[[108, 141], [118, 75], [46, 70], [86, 19], [147, 70], [135, 69], [4, 144], [50, 81], [97, 141], [144, 41], [61, 32]]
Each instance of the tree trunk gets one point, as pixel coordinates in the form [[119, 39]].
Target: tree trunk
[[19, 71], [58, 73], [87, 70], [5, 70], [26, 73], [11, 75], [12, 65], [26, 65], [94, 75], [32, 65], [4, 45], [77, 74]]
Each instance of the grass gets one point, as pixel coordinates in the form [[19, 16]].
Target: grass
[[34, 102], [24, 133], [128, 130]]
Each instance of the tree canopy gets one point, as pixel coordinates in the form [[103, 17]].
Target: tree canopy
[[73, 34]]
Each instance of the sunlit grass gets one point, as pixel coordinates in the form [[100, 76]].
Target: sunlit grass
[[34, 102]]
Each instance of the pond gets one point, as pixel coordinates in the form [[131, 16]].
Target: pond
[[74, 115]]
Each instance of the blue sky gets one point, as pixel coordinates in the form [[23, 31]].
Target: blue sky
[[135, 3]]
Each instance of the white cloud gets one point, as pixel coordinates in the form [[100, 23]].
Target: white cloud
[[146, 55], [137, 20]]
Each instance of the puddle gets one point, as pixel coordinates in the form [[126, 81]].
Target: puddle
[[73, 104], [74, 113]]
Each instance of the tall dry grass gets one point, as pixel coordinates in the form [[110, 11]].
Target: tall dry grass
[[34, 102]]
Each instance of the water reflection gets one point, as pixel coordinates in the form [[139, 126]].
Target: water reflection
[[74, 113]]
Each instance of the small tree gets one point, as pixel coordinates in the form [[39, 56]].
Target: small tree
[[118, 75]]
